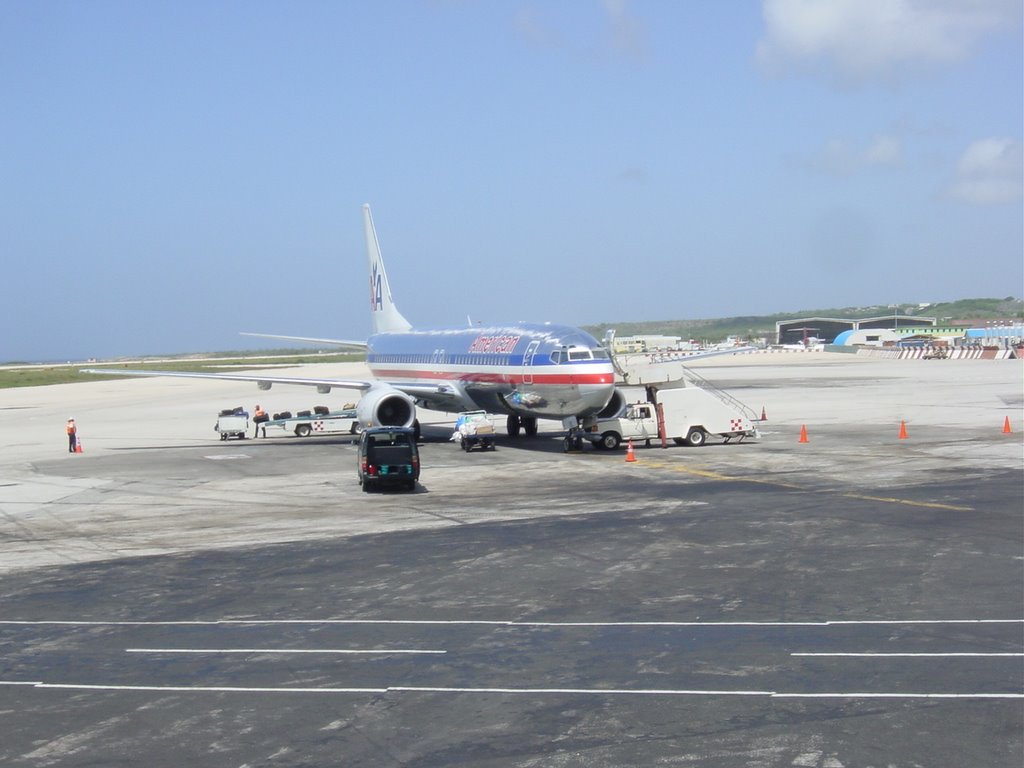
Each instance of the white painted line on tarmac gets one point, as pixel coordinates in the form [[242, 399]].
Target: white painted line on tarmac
[[913, 655], [377, 651], [204, 689], [519, 691], [506, 623], [898, 695], [579, 691]]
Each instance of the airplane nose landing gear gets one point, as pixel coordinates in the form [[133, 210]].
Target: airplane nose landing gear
[[573, 441]]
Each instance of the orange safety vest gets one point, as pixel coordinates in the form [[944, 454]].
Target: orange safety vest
[[260, 412], [71, 428]]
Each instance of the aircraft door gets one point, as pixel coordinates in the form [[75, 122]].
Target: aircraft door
[[531, 350]]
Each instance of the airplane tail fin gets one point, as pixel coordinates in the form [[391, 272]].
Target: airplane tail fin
[[386, 317]]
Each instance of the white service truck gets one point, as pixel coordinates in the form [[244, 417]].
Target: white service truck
[[689, 416]]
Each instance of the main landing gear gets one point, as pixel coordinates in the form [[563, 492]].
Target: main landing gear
[[527, 424]]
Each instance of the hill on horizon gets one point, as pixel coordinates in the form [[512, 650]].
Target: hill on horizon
[[962, 311]]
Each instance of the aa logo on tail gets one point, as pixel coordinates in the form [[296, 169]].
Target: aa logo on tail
[[376, 297]]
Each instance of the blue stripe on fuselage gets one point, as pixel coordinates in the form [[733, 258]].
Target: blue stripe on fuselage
[[490, 346]]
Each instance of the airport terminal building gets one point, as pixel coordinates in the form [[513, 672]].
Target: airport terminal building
[[900, 331]]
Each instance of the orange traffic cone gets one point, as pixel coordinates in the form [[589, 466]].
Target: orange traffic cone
[[78, 446], [764, 416], [903, 430], [803, 434], [1006, 426], [630, 456]]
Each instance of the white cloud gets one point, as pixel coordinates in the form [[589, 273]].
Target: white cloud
[[884, 151], [989, 172], [861, 40], [626, 33], [842, 158]]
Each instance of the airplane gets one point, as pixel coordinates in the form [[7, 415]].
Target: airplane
[[524, 371]]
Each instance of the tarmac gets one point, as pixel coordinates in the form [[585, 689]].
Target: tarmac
[[853, 600]]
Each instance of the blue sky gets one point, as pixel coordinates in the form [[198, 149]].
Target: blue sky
[[177, 172]]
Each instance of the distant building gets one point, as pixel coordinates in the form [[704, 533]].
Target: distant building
[[645, 343], [997, 334], [826, 329]]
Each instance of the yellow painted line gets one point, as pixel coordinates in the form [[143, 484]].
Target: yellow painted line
[[778, 484], [719, 476], [907, 502]]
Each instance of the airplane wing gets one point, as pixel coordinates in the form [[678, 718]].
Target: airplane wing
[[323, 386], [330, 342], [439, 396]]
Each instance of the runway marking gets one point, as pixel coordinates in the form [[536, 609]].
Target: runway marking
[[907, 502], [899, 695], [718, 475], [912, 655], [228, 457], [502, 623], [517, 691], [378, 651], [780, 484]]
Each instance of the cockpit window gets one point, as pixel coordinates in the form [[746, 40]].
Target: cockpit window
[[567, 354]]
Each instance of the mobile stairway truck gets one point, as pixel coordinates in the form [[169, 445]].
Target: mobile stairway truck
[[686, 415]]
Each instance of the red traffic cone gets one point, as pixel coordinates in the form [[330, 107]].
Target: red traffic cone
[[803, 434], [903, 430], [630, 456], [1006, 426], [764, 416]]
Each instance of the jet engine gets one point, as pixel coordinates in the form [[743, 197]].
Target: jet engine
[[384, 406], [614, 406]]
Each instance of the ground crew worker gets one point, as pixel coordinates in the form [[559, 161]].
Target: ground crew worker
[[259, 416], [72, 436]]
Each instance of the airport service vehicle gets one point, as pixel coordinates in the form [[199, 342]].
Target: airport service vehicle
[[320, 422], [232, 422], [474, 429], [388, 457], [690, 415]]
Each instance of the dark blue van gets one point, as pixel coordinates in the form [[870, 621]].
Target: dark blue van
[[388, 456]]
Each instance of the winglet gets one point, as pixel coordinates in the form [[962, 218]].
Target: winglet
[[386, 317]]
